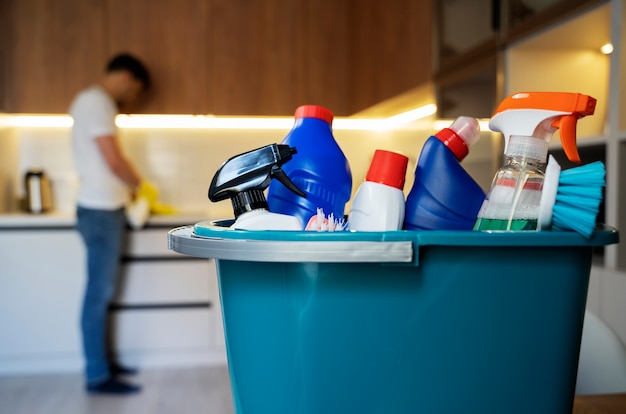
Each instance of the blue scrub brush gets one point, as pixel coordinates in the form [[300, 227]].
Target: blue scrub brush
[[570, 199]]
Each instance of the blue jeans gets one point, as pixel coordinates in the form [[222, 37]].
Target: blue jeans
[[102, 232]]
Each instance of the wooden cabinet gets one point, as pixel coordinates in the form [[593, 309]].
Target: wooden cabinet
[[173, 39], [50, 49], [270, 57], [224, 57], [390, 49]]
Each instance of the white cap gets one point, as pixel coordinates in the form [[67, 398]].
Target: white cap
[[529, 147], [467, 128]]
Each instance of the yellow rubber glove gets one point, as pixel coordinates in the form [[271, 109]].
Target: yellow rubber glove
[[162, 209], [149, 191]]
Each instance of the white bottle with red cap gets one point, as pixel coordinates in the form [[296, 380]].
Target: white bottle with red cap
[[379, 204]]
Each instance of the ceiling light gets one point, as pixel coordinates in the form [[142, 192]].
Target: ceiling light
[[607, 49]]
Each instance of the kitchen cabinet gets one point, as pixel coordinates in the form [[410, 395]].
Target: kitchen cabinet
[[390, 49], [42, 279], [465, 69], [50, 49], [166, 312], [167, 303], [224, 57], [270, 57], [469, 63], [173, 38], [519, 18]]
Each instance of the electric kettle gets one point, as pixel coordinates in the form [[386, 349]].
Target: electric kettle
[[38, 191]]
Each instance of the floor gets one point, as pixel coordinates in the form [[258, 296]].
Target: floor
[[165, 391]]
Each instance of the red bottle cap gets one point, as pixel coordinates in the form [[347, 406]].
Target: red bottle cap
[[454, 142], [388, 168], [314, 111], [462, 134]]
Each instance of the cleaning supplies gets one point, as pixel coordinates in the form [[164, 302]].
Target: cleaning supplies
[[444, 196], [320, 169], [571, 198], [528, 121], [512, 202], [243, 178], [540, 114], [378, 204]]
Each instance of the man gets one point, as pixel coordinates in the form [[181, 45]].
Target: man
[[107, 182]]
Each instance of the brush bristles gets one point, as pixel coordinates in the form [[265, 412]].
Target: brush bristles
[[586, 175], [578, 198], [568, 218]]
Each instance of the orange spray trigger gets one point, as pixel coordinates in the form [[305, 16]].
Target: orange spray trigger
[[567, 126]]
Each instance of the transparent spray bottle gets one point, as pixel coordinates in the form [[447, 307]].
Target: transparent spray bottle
[[528, 120], [512, 202]]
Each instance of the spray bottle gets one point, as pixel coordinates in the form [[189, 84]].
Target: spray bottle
[[444, 196], [243, 178], [528, 120]]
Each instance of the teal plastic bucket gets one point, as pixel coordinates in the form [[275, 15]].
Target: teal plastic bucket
[[399, 322]]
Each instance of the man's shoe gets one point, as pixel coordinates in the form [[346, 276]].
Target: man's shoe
[[117, 369], [113, 386]]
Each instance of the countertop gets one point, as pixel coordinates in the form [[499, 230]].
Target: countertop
[[600, 404], [20, 220]]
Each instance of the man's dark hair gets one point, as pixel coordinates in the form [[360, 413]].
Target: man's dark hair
[[125, 61]]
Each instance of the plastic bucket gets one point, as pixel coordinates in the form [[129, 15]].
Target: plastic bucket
[[401, 321]]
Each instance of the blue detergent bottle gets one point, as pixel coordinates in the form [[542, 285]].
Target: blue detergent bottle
[[444, 196], [320, 169]]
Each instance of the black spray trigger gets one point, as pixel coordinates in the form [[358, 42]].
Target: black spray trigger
[[280, 175]]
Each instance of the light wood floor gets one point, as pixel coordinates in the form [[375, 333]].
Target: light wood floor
[[165, 391]]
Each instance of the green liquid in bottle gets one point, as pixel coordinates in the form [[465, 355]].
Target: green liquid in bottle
[[497, 224]]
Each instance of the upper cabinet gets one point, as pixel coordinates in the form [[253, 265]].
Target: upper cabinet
[[470, 39], [49, 49], [566, 57], [389, 49], [519, 18], [223, 57], [465, 66], [172, 38]]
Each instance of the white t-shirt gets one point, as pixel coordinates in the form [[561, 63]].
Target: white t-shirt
[[94, 114]]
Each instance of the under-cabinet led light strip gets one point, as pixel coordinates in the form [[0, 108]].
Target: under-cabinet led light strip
[[213, 122]]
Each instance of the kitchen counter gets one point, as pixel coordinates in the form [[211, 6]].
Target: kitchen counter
[[600, 404], [21, 220]]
